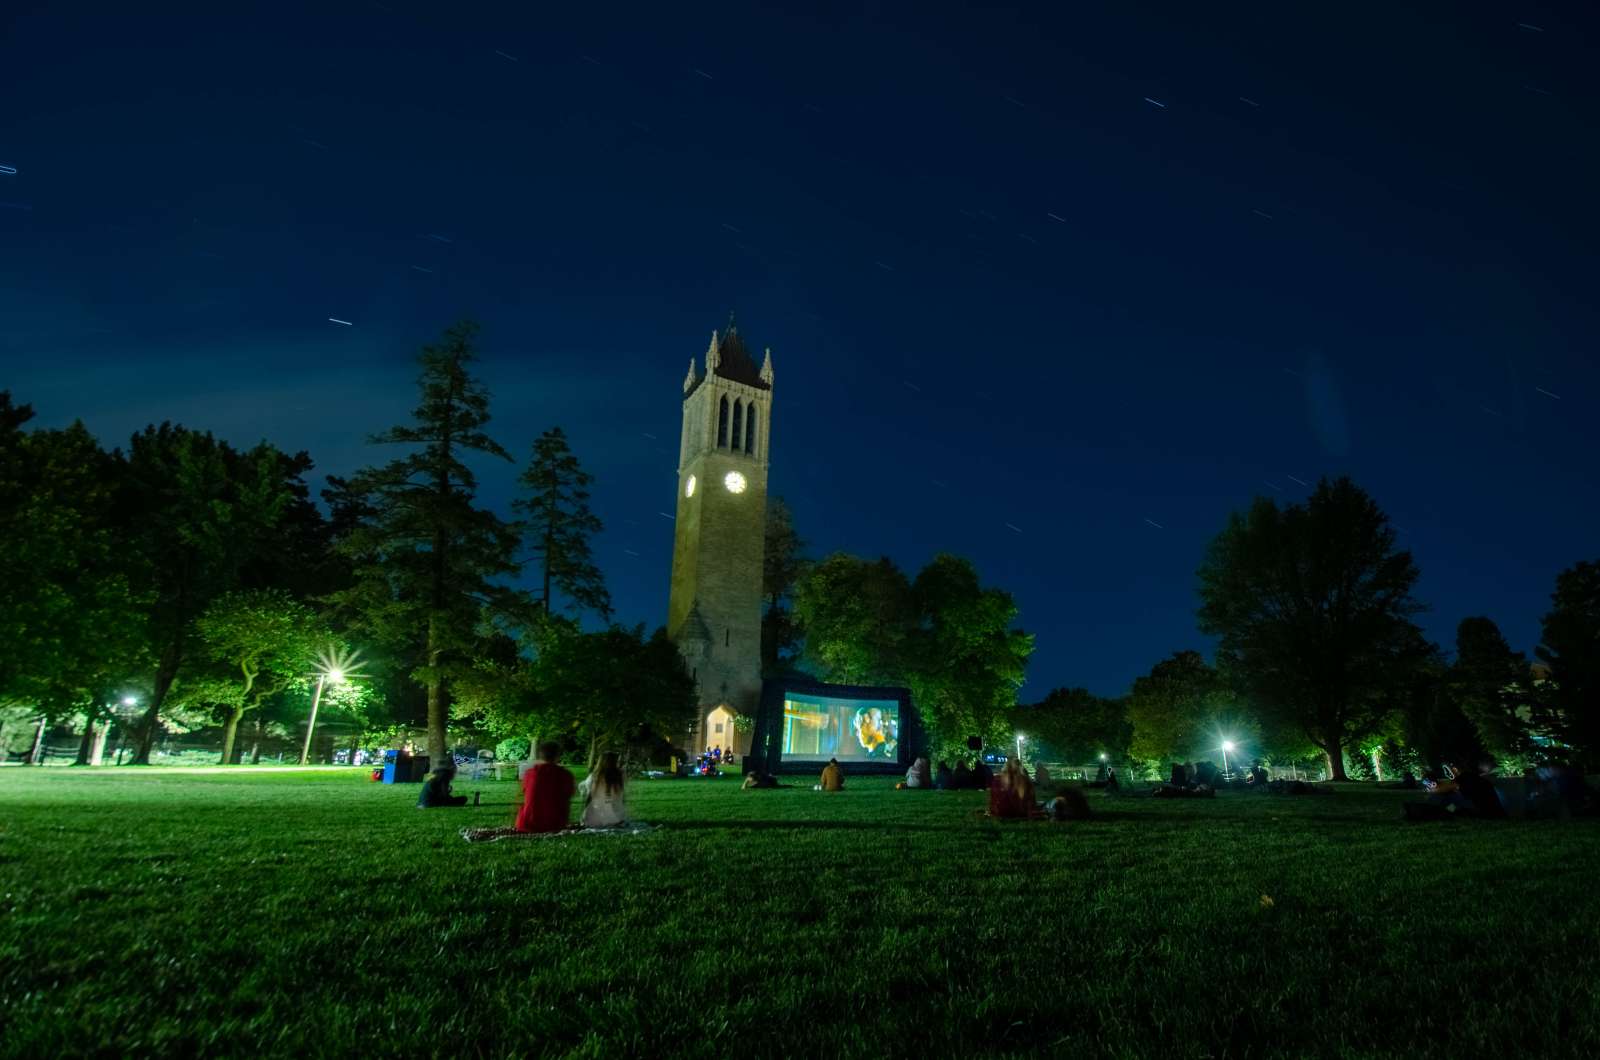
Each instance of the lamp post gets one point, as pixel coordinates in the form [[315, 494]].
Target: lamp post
[[1019, 747], [1227, 745], [316, 699]]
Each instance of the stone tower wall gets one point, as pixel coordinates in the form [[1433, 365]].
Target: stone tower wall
[[717, 548]]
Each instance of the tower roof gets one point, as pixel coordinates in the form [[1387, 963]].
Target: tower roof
[[735, 362]]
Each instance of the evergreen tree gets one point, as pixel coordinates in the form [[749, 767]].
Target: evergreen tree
[[429, 564], [560, 524]]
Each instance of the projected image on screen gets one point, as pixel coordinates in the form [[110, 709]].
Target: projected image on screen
[[851, 730]]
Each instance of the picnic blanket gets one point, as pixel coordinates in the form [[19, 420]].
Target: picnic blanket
[[494, 835]]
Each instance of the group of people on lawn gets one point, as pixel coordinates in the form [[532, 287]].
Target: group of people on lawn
[[1013, 794], [547, 792]]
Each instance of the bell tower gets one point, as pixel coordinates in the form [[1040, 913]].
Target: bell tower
[[714, 612]]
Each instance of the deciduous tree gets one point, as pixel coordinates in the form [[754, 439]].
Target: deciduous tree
[[1074, 725], [857, 617], [200, 512], [1183, 709], [1492, 685], [1313, 609], [266, 641], [783, 564], [1569, 644]]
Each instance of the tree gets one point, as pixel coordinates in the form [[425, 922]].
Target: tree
[[783, 564], [1491, 685], [945, 636], [560, 524], [1183, 709], [200, 511], [611, 688], [428, 564], [966, 661], [1569, 644], [69, 611], [1429, 717], [1312, 606], [857, 618], [268, 640], [1073, 725]]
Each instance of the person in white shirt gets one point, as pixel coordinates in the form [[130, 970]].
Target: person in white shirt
[[605, 803]]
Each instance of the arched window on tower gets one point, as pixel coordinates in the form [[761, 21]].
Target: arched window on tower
[[750, 431], [722, 425], [738, 424]]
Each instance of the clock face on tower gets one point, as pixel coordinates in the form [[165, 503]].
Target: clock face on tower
[[734, 481], [688, 487]]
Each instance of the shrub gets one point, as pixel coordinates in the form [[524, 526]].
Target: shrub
[[513, 749]]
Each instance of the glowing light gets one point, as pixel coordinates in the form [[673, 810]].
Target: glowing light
[[1102, 756], [129, 701], [1227, 745], [734, 481], [336, 675], [688, 487]]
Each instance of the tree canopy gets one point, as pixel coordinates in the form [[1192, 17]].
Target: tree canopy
[[1313, 609], [1569, 646], [1073, 725], [783, 564], [944, 636]]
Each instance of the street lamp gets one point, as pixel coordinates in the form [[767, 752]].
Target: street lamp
[[1019, 747], [335, 675], [1227, 745]]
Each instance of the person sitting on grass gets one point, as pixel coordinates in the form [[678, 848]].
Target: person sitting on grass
[[1559, 791], [1041, 777], [547, 791], [1112, 787], [1011, 793], [943, 779], [982, 775], [919, 776], [605, 804], [832, 776], [1466, 793], [435, 792], [1070, 805]]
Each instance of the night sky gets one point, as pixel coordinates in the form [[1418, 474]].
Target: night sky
[[1053, 289]]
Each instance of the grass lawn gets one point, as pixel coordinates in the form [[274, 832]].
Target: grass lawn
[[316, 912]]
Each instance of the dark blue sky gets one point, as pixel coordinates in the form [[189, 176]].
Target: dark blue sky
[[1000, 284]]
